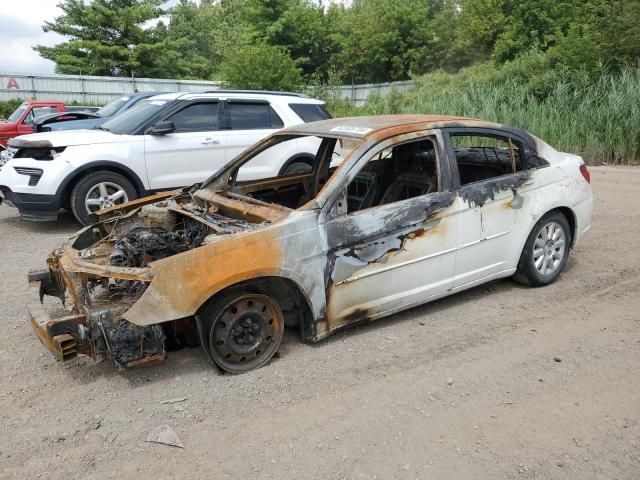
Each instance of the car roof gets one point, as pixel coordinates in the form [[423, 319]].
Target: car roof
[[248, 94], [372, 126], [42, 102]]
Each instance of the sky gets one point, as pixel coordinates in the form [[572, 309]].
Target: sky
[[21, 28]]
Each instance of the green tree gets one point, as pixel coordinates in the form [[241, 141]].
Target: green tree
[[204, 33], [298, 26], [261, 67], [109, 37], [378, 39]]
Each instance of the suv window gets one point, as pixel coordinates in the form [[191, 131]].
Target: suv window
[[396, 173], [310, 112], [481, 157], [253, 116], [196, 118]]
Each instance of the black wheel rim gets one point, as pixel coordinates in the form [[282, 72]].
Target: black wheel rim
[[246, 333]]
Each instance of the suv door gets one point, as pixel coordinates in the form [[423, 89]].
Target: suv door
[[192, 152], [391, 236], [248, 121]]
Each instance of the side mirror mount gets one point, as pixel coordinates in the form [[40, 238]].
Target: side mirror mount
[[161, 128], [341, 206]]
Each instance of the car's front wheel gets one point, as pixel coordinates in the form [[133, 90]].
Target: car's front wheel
[[98, 190], [243, 330], [546, 251]]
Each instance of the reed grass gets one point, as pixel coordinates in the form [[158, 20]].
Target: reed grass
[[598, 119]]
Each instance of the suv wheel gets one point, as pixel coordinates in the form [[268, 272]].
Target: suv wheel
[[296, 168], [99, 190]]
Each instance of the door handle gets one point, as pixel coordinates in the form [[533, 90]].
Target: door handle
[[210, 141]]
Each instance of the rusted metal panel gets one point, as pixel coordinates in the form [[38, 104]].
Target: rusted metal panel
[[62, 346]]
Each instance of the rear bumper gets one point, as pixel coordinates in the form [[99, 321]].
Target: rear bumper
[[583, 211], [32, 206]]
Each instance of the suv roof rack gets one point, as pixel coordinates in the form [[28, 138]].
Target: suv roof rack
[[262, 92]]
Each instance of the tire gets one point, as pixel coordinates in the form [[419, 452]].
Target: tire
[[241, 331], [546, 251], [88, 194], [296, 168]]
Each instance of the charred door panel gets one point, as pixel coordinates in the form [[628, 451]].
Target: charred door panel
[[390, 256], [487, 164]]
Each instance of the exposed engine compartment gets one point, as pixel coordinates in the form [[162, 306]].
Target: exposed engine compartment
[[143, 243], [106, 269]]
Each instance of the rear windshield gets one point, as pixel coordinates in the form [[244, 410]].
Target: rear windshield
[[309, 112], [111, 108]]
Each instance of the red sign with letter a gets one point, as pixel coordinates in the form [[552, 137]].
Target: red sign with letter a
[[13, 83]]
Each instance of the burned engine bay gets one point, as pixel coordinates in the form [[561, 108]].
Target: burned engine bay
[[106, 270]]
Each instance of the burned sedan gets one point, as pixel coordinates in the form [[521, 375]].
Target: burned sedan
[[396, 211]]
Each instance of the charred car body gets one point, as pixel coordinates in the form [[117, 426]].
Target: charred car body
[[421, 207]]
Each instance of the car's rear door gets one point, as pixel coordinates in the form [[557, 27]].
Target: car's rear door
[[487, 167], [190, 154]]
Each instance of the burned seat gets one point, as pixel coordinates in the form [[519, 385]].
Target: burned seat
[[416, 172]]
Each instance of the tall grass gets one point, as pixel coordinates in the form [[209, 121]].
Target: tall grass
[[596, 118]]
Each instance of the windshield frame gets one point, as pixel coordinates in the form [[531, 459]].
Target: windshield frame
[[131, 121], [225, 178]]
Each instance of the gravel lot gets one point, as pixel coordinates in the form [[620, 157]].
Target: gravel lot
[[497, 382]]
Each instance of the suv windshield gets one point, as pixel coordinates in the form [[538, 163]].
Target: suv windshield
[[130, 120], [15, 116], [112, 107]]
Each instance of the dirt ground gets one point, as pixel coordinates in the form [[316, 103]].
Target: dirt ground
[[544, 383]]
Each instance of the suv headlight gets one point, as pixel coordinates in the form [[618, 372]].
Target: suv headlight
[[7, 155], [43, 154]]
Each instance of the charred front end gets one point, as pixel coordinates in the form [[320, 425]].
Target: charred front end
[[105, 269]]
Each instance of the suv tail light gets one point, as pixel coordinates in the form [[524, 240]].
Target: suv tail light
[[585, 173]]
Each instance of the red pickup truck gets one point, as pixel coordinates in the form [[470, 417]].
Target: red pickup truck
[[19, 122]]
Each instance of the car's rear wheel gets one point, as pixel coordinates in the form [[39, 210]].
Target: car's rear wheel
[[244, 330], [545, 252], [99, 190]]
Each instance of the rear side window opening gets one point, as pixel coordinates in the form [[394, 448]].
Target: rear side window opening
[[482, 157], [310, 112], [253, 116]]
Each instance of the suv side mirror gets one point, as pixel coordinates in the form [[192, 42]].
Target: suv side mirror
[[161, 128]]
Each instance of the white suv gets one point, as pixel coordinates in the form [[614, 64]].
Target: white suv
[[169, 141]]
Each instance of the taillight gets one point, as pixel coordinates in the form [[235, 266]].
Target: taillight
[[585, 173]]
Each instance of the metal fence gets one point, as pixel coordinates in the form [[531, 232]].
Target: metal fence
[[358, 94], [100, 90], [90, 90]]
